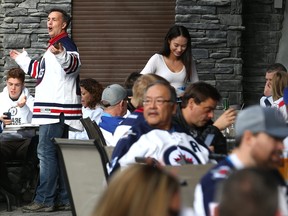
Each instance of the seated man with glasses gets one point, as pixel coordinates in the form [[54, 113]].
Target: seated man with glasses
[[157, 137]]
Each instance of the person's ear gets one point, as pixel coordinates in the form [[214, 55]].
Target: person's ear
[[64, 24], [248, 137], [174, 109], [122, 103], [191, 103]]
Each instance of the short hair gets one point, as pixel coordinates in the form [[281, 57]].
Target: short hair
[[173, 95], [138, 190], [279, 82], [16, 73], [94, 88], [200, 91], [66, 17], [276, 67], [141, 84], [130, 80], [249, 192]]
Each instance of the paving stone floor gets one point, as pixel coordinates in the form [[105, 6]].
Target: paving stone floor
[[18, 212]]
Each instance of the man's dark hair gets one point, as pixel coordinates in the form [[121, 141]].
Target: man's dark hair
[[200, 91], [130, 79], [249, 192], [276, 67], [66, 17], [173, 95], [16, 73]]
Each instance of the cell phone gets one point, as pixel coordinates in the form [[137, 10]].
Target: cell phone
[[8, 114], [140, 159], [56, 45]]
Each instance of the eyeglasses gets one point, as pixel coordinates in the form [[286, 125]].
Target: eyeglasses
[[158, 101]]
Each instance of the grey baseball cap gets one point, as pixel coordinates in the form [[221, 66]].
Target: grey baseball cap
[[261, 119], [113, 94]]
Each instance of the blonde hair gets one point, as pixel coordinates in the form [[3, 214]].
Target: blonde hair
[[140, 190], [140, 86], [279, 82]]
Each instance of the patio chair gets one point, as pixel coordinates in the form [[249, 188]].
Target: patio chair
[[84, 168], [93, 130]]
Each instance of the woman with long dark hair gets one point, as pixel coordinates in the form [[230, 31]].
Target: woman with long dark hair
[[174, 62]]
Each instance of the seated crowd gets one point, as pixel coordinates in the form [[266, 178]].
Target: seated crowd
[[152, 123]]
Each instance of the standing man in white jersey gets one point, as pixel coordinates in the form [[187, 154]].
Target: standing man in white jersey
[[57, 107]]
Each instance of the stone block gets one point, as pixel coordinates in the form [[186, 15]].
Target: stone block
[[9, 26], [16, 41], [210, 77], [228, 19], [188, 18], [230, 61], [216, 34], [200, 53], [202, 26], [214, 2], [228, 70], [205, 66], [236, 7], [12, 1], [198, 34], [195, 10], [219, 55], [17, 12], [29, 26], [26, 19], [229, 85], [234, 39], [209, 17], [208, 41], [236, 52], [29, 4], [8, 5]]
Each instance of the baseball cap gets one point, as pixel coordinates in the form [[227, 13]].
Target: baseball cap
[[113, 94], [261, 119]]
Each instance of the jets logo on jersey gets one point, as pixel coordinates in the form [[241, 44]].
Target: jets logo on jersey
[[179, 155], [13, 111], [221, 172]]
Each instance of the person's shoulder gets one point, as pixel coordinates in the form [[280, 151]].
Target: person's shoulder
[[133, 119], [69, 44], [219, 172], [156, 57]]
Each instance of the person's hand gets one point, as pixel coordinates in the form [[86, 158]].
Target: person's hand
[[268, 89], [226, 119], [56, 48], [212, 149], [22, 101], [5, 121], [14, 53]]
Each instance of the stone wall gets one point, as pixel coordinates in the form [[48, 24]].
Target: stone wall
[[260, 44], [23, 25], [233, 40], [216, 28]]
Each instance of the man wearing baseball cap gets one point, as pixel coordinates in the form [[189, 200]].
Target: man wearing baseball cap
[[114, 100], [259, 143]]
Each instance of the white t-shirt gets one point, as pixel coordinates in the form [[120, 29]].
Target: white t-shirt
[[157, 65], [94, 115]]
